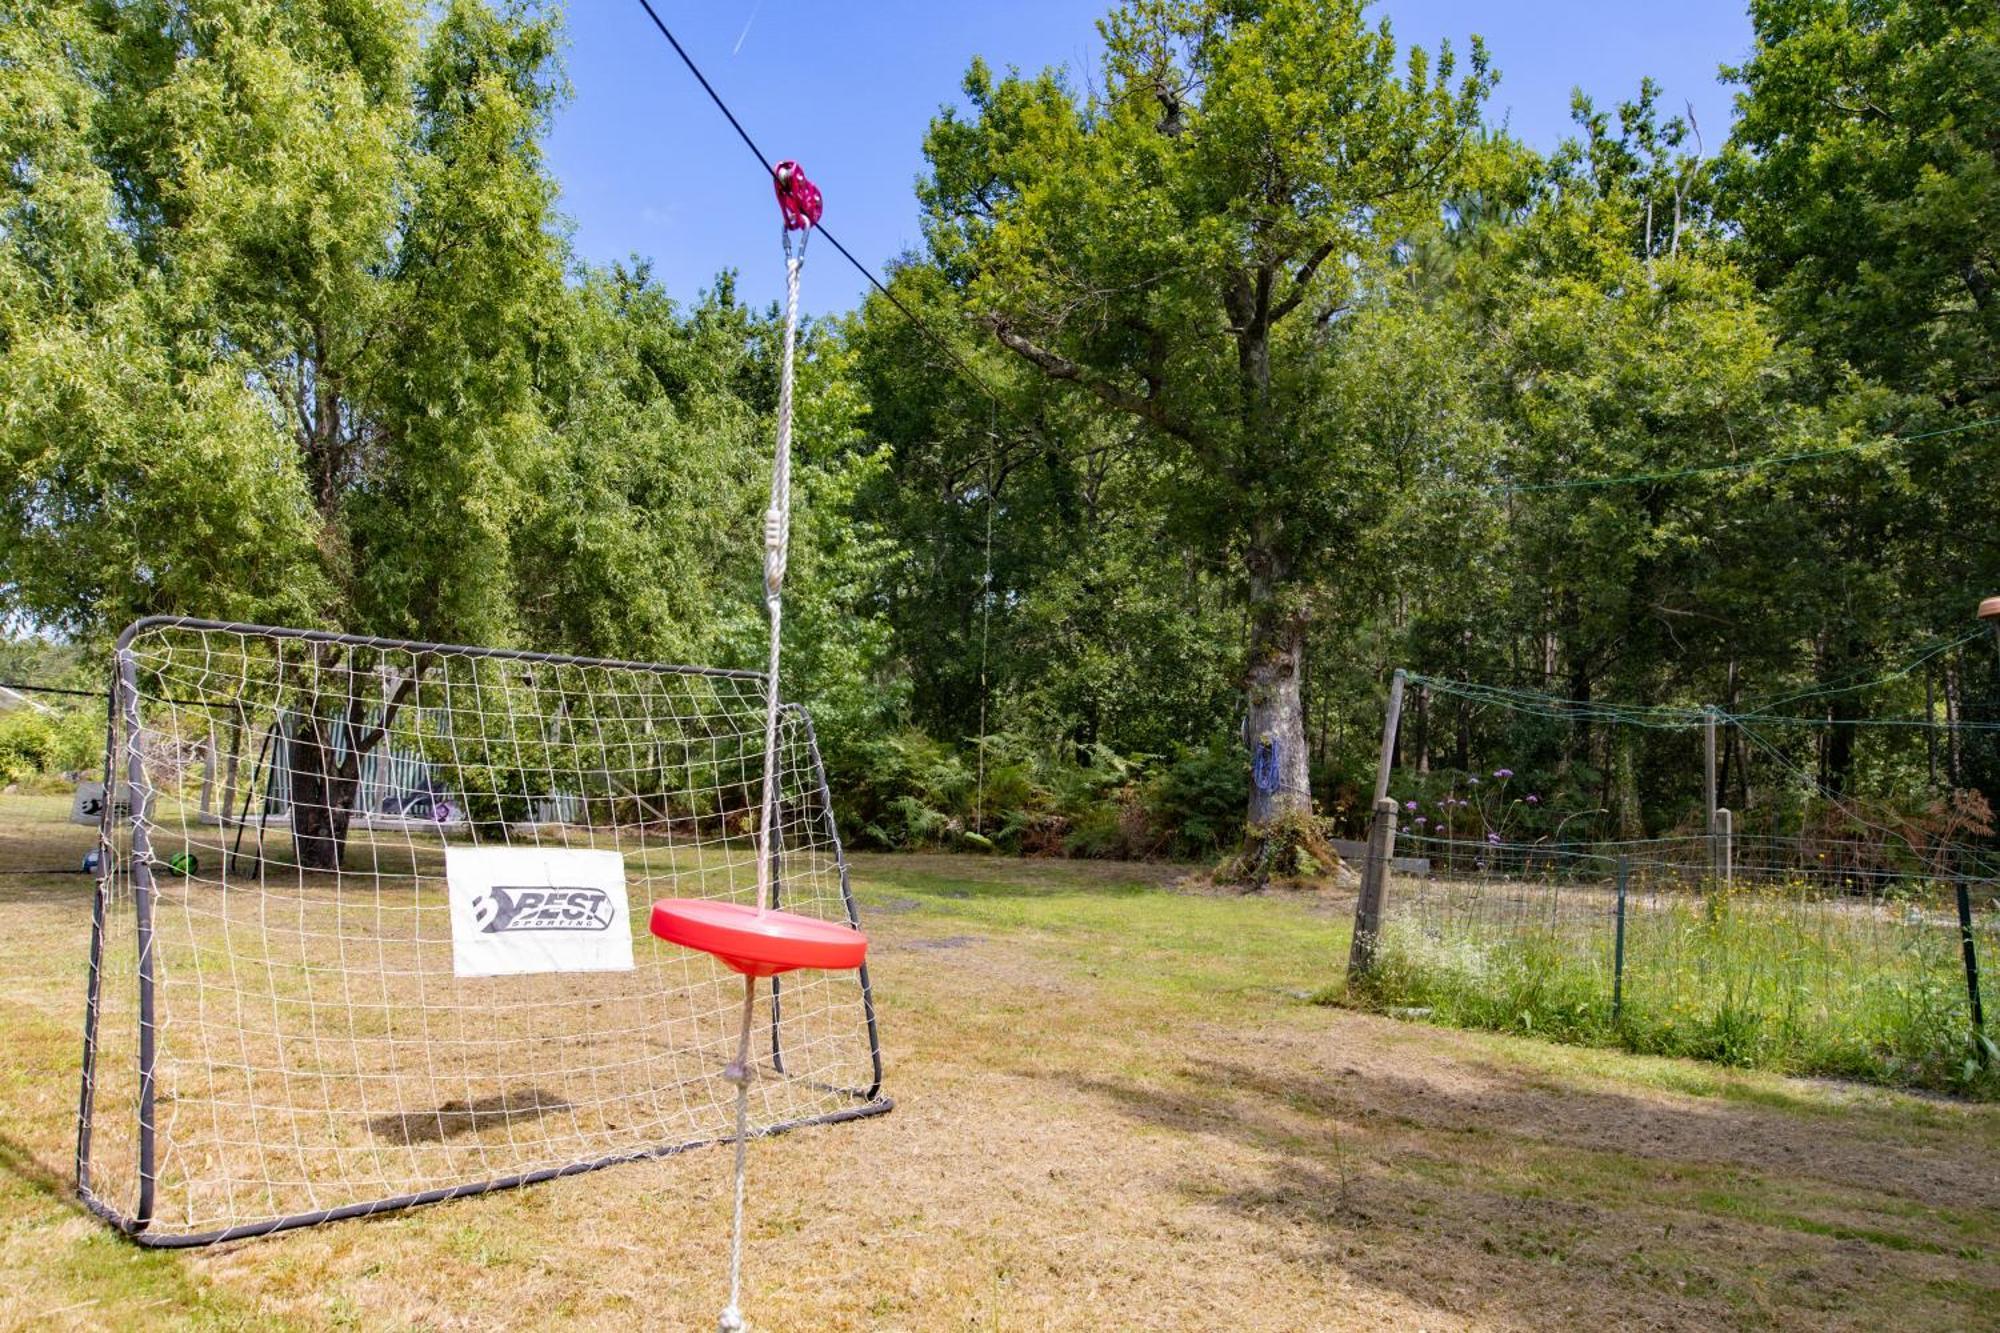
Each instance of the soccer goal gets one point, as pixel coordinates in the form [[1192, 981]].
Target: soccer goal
[[374, 936]]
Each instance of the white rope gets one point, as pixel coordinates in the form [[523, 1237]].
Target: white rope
[[740, 1073], [777, 539]]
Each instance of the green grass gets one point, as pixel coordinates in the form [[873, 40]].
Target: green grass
[[1114, 925], [1780, 978]]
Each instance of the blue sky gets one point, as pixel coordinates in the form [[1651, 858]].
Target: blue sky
[[648, 166]]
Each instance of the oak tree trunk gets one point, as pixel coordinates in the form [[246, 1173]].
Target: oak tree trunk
[[1273, 680], [324, 779], [322, 799]]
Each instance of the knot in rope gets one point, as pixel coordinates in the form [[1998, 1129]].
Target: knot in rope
[[777, 542], [731, 1321], [798, 198]]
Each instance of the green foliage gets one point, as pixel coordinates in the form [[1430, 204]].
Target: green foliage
[[1866, 184], [1171, 253], [1298, 372], [1290, 846], [36, 743], [908, 790], [268, 297]]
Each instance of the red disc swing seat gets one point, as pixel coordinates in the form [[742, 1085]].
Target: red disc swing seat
[[763, 942], [758, 944]]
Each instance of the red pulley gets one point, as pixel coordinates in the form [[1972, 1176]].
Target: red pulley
[[798, 198]]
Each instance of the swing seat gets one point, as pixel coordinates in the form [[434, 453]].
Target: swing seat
[[758, 944]]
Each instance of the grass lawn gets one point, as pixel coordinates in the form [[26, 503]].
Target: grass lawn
[[1117, 1107]]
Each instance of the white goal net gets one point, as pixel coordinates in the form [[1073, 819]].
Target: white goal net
[[364, 941]]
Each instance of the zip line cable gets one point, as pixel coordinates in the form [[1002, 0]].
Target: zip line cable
[[765, 162], [958, 361], [1668, 717]]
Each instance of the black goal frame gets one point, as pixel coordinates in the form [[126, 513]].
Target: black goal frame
[[124, 706]]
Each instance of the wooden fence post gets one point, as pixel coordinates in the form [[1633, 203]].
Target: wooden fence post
[[1618, 943], [1374, 888], [1389, 726], [1709, 798]]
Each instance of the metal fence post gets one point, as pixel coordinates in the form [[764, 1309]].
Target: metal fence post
[[1374, 886], [1618, 949], [1722, 848], [1971, 967]]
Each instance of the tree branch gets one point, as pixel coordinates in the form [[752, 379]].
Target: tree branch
[[1057, 367], [1303, 276]]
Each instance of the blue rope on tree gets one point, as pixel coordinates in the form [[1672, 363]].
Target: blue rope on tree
[[1264, 765]]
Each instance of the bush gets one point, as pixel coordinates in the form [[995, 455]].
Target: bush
[[1196, 802], [36, 744], [906, 789]]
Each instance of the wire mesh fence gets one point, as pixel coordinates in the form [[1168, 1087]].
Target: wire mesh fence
[[1802, 958]]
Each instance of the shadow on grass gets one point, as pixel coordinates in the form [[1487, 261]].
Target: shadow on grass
[[24, 1164], [1461, 1192], [458, 1118], [1486, 1101]]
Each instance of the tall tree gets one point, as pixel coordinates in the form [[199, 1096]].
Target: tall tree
[[1865, 174], [142, 474], [321, 234], [1174, 245], [1867, 186]]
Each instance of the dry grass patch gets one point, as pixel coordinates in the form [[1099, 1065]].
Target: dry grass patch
[[1114, 1111]]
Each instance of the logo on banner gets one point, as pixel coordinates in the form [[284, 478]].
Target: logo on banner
[[87, 806], [509, 907], [521, 910]]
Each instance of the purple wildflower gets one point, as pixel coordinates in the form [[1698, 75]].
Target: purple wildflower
[[1493, 838], [1473, 781], [1421, 820], [1534, 799], [1409, 805], [1503, 773]]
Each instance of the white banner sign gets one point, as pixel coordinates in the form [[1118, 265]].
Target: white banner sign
[[87, 807], [517, 910]]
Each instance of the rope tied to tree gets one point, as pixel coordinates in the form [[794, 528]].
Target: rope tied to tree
[[799, 204], [1264, 769]]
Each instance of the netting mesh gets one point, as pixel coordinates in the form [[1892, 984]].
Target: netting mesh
[[1559, 868], [273, 941]]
